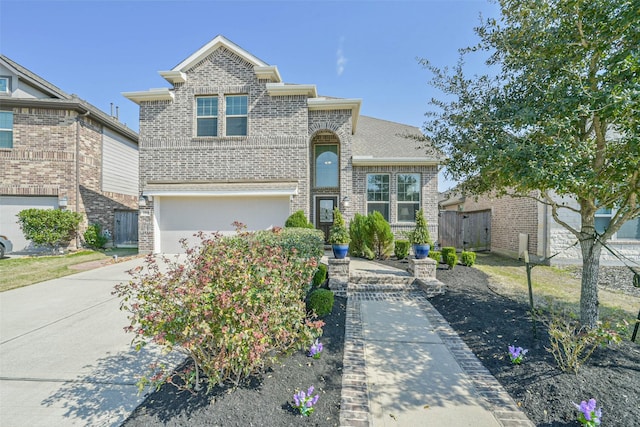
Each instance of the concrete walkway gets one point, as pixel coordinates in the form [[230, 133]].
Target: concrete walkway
[[405, 366], [65, 359]]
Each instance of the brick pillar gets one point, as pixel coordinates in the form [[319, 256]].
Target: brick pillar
[[423, 269], [338, 273]]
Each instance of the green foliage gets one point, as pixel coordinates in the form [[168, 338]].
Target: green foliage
[[446, 251], [94, 238], [436, 255], [320, 302], [298, 219], [320, 276], [380, 236], [307, 243], [451, 259], [401, 250], [359, 233], [49, 227], [572, 345], [233, 306], [556, 113], [420, 234], [468, 258], [338, 234]]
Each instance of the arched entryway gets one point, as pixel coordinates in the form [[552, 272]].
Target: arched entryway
[[325, 178]]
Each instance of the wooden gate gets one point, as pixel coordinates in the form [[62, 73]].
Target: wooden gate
[[465, 230], [125, 229]]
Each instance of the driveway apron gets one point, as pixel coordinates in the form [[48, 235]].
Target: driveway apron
[[65, 359]]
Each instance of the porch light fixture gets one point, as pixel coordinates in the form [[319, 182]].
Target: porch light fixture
[[142, 201], [62, 203], [346, 202]]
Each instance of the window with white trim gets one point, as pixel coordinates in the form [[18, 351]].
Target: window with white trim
[[5, 85], [378, 194], [236, 113], [408, 196], [6, 129], [207, 116], [630, 230]]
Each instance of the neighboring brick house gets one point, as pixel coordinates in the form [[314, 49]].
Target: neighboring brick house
[[518, 223], [230, 141], [58, 151]]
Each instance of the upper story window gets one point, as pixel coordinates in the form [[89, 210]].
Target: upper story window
[[408, 196], [207, 116], [378, 194], [236, 115], [326, 162], [630, 230], [6, 129], [5, 85]]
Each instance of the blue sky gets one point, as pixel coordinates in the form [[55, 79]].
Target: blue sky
[[364, 49]]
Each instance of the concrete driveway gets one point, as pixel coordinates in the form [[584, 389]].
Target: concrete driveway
[[65, 359]]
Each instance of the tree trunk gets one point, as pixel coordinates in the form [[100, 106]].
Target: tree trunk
[[589, 303]]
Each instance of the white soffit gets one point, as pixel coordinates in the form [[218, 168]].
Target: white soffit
[[269, 72], [162, 94], [396, 161], [174, 76], [281, 89], [337, 104]]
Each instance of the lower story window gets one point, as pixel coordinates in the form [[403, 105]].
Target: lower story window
[[6, 129], [630, 230], [408, 196], [378, 194]]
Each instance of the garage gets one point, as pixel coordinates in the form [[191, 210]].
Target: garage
[[10, 206]]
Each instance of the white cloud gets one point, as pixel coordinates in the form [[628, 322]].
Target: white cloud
[[341, 59]]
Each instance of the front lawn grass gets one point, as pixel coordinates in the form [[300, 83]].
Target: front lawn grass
[[19, 272], [553, 287]]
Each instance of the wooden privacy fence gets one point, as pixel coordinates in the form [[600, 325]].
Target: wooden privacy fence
[[465, 230], [125, 228]]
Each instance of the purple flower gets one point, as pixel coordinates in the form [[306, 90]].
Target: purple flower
[[304, 401], [316, 349], [589, 415], [517, 354]]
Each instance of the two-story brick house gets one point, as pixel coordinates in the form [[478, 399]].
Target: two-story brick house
[[58, 151], [229, 141]]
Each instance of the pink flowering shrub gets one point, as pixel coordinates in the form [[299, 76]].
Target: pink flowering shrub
[[233, 306]]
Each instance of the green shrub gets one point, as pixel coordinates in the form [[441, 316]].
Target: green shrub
[[320, 302], [446, 251], [436, 255], [320, 276], [338, 234], [232, 306], [307, 243], [451, 259], [49, 227], [401, 249], [380, 235], [358, 231], [468, 258], [94, 238], [298, 220]]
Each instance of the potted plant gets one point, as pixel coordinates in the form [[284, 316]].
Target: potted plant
[[339, 236], [419, 236]]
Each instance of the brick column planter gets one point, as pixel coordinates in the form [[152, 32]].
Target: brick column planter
[[338, 273], [423, 269]]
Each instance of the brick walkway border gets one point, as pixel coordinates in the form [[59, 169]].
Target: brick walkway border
[[354, 409]]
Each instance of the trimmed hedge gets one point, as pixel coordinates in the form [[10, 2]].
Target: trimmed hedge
[[451, 259], [298, 220], [401, 249], [308, 243], [320, 302], [468, 258], [436, 255], [447, 250], [320, 276], [94, 238]]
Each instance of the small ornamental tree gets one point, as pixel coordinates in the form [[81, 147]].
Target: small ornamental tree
[[557, 115], [298, 220], [233, 306], [380, 236], [49, 227]]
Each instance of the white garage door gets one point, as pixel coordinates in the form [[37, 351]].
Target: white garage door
[[183, 216], [9, 208]]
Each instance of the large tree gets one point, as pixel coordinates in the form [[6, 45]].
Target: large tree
[[558, 111]]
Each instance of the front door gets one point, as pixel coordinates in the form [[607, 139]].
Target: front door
[[324, 213]]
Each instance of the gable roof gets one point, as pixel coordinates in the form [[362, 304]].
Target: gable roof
[[380, 142], [58, 99]]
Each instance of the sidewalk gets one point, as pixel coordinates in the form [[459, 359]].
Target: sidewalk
[[65, 358], [405, 366]]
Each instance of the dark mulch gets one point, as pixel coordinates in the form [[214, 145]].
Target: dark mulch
[[264, 400], [489, 323]]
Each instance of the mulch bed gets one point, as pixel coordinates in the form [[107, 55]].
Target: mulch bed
[[489, 323], [263, 400]]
